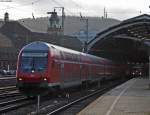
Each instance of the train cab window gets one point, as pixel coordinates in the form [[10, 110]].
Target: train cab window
[[36, 62]]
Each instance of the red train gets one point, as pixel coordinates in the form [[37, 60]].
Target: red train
[[42, 66]]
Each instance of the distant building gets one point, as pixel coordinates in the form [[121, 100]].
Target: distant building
[[13, 36], [8, 53]]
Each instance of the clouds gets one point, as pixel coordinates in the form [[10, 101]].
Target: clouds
[[121, 9]]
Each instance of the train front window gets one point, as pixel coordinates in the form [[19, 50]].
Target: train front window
[[34, 62]]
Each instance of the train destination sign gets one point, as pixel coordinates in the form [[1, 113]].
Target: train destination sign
[[34, 54]]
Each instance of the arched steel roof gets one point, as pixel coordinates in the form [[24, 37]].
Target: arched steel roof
[[134, 30]]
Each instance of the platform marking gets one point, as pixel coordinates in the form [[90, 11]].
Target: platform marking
[[118, 97]]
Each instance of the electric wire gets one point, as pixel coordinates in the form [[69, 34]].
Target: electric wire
[[31, 3]]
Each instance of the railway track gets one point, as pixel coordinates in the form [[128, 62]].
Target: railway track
[[8, 91], [10, 99], [76, 104], [14, 104], [7, 78], [9, 94], [7, 81], [7, 88], [54, 105]]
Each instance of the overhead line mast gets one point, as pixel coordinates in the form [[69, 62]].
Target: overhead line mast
[[87, 32]]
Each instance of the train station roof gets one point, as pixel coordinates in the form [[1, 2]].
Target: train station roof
[[128, 41]]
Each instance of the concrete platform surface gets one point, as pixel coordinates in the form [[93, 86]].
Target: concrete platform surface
[[130, 98]]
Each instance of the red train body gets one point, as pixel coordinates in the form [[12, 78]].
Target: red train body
[[42, 66]]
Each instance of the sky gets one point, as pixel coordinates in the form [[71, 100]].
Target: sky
[[118, 9]]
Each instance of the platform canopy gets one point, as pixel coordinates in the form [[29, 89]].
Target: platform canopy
[[128, 41]]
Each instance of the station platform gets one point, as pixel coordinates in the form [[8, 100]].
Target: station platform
[[130, 98]]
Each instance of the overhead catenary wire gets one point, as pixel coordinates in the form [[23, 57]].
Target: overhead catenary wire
[[84, 8], [67, 10], [23, 5], [27, 4]]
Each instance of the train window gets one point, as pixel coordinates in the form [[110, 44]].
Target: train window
[[34, 62]]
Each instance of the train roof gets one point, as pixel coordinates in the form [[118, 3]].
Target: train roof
[[38, 45], [77, 52], [65, 49], [43, 46]]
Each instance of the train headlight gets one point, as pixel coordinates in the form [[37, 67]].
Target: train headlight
[[45, 79], [20, 79]]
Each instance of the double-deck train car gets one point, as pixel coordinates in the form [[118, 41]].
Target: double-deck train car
[[42, 66]]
